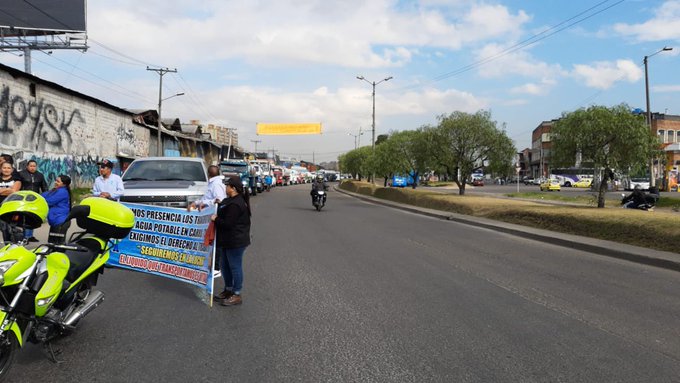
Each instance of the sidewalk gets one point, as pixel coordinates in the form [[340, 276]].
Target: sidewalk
[[663, 259], [42, 233]]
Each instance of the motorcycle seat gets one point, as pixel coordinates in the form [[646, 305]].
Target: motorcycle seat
[[81, 260]]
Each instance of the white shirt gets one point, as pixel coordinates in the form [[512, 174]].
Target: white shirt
[[112, 185], [216, 191]]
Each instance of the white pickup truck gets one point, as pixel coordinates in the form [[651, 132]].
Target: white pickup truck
[[165, 181]]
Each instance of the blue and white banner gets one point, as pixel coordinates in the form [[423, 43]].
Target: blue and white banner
[[167, 242]]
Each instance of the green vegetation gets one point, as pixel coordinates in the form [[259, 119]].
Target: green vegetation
[[657, 230], [459, 145], [553, 196], [79, 194], [440, 183], [607, 138]]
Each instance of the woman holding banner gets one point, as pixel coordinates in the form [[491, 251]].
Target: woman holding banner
[[232, 226]]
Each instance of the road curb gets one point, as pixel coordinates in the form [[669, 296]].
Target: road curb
[[656, 258]]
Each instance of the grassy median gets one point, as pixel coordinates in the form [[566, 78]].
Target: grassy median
[[659, 229]]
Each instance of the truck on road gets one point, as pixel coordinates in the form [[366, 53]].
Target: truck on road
[[165, 181]]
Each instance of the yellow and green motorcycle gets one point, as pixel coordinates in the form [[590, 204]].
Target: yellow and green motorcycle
[[46, 291]]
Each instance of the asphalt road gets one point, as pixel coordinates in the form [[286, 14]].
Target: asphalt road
[[364, 293]]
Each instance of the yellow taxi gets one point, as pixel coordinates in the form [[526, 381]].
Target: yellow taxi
[[582, 183], [550, 185]]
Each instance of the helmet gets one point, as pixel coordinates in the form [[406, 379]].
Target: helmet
[[25, 204], [319, 177]]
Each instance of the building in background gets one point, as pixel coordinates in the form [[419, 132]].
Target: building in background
[[539, 155]]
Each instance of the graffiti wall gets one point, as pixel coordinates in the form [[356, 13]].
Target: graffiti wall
[[82, 170], [65, 132]]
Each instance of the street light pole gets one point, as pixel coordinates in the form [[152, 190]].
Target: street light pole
[[652, 178], [357, 138], [373, 83]]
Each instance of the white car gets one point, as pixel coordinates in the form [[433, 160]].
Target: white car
[[643, 183]]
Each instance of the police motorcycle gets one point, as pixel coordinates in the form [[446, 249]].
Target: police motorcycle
[[46, 291]]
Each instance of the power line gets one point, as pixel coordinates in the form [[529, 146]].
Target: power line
[[524, 43], [184, 85], [141, 96], [131, 58], [86, 79]]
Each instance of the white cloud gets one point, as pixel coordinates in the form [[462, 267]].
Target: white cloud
[[345, 108], [351, 34], [500, 64], [666, 88], [529, 88], [603, 74], [665, 25], [515, 102]]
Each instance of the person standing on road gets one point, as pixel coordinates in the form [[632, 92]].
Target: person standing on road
[[9, 183], [107, 185], [232, 223], [216, 190], [59, 201], [33, 180]]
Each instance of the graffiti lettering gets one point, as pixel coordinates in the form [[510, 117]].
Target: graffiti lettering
[[82, 169], [47, 125]]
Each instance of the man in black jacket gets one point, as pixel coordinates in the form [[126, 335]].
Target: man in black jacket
[[634, 200], [319, 183], [32, 179]]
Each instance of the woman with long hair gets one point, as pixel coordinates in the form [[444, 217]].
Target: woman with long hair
[[232, 226], [59, 200]]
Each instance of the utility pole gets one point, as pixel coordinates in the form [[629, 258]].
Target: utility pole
[[161, 72], [230, 131], [256, 142]]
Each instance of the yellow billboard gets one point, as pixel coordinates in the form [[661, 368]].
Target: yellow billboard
[[288, 129]]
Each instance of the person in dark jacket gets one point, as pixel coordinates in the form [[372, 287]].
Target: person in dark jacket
[[634, 199], [32, 179], [59, 201], [232, 226]]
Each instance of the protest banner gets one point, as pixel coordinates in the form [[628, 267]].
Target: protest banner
[[168, 242]]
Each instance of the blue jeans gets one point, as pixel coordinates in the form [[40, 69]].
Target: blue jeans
[[231, 266]]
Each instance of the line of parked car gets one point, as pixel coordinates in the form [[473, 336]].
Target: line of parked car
[[554, 184], [179, 181]]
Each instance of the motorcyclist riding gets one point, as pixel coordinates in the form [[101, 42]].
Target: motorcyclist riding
[[318, 184]]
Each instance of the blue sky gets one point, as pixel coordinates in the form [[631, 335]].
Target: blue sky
[[240, 63]]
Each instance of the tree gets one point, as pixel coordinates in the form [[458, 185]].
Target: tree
[[380, 139], [611, 138], [410, 148], [356, 162], [463, 143], [386, 159]]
